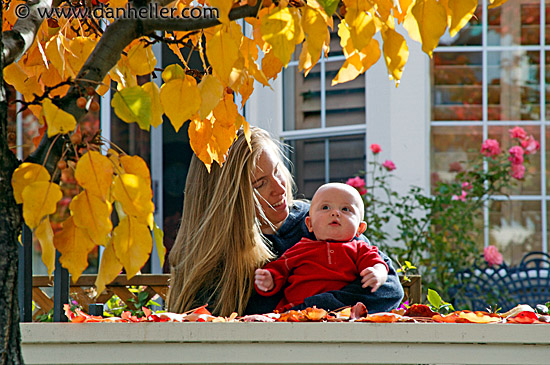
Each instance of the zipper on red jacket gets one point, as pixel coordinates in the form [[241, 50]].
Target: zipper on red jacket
[[328, 254]]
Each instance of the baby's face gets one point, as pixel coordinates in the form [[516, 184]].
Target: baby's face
[[334, 214]]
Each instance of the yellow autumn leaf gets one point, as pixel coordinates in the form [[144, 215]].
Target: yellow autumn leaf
[[109, 268], [223, 6], [15, 76], [271, 65], [133, 104], [156, 107], [158, 235], [249, 53], [211, 90], [317, 34], [93, 214], [58, 120], [74, 244], [461, 13], [411, 25], [222, 138], [405, 6], [362, 27], [39, 200], [80, 49], [280, 29], [56, 51], [181, 99], [141, 59], [122, 74], [358, 62], [246, 88], [114, 157], [226, 111], [173, 72], [94, 172], [134, 194], [432, 23], [50, 77], [200, 133], [26, 174], [137, 166], [396, 53], [132, 243], [222, 51], [44, 234]]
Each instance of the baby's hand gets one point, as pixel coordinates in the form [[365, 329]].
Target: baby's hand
[[263, 280], [374, 276]]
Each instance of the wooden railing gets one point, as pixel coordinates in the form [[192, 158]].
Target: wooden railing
[[83, 290]]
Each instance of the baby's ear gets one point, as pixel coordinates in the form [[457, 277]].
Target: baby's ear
[[308, 224], [362, 227]]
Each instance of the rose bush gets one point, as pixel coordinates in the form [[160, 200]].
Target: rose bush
[[440, 233]]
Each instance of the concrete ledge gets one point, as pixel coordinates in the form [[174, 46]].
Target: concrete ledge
[[284, 343]]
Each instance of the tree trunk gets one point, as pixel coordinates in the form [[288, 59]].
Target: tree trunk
[[10, 227]]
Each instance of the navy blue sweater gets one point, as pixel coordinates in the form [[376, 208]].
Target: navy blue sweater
[[386, 298]]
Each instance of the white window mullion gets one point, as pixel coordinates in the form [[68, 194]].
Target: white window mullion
[[544, 210], [157, 168], [484, 104]]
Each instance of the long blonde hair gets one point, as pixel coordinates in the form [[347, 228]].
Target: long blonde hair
[[219, 243]]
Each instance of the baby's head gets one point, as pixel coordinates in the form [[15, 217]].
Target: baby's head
[[336, 213]]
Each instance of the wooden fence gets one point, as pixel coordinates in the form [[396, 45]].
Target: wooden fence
[[83, 290]]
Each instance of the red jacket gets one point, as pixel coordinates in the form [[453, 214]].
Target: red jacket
[[314, 267]]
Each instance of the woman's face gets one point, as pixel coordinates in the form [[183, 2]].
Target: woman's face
[[269, 184]]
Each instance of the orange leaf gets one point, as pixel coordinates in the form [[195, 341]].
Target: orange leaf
[[74, 244]]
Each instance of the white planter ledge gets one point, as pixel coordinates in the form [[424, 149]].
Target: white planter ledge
[[284, 343]]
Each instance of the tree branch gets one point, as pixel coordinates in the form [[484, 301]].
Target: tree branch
[[18, 40], [120, 34]]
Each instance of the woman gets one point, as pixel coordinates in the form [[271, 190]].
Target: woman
[[237, 218]]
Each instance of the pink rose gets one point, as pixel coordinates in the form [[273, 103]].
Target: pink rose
[[389, 165], [357, 183], [492, 256], [375, 148], [490, 148], [462, 196], [518, 171], [466, 185], [517, 132], [530, 144], [516, 155]]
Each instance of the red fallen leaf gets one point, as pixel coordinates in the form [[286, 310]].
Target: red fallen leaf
[[524, 318], [450, 318], [202, 310], [380, 318], [358, 310], [315, 314], [292, 316], [156, 318], [419, 310], [78, 320], [146, 311]]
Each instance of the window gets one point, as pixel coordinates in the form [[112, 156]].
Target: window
[[325, 125], [492, 76]]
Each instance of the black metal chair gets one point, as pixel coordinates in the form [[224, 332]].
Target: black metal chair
[[505, 286]]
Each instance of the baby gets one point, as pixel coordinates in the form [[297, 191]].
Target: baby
[[334, 260]]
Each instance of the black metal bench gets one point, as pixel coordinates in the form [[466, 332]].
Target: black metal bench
[[503, 285]]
